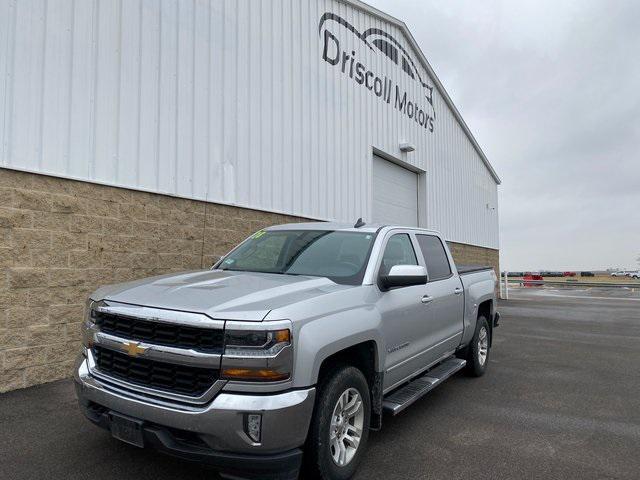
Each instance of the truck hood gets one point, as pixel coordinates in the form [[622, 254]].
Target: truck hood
[[220, 294]]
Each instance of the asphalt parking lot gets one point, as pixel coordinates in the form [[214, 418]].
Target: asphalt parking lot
[[561, 400]]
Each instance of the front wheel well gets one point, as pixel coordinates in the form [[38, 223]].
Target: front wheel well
[[363, 356]]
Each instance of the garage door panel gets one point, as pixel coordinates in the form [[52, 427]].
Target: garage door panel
[[394, 215], [395, 194]]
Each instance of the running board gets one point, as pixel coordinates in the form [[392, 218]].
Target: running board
[[401, 398]]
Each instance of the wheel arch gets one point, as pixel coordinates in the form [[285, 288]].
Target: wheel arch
[[485, 309], [365, 357]]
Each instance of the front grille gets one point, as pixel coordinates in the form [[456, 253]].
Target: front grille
[[193, 381], [169, 334]]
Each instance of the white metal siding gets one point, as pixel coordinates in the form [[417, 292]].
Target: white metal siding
[[227, 101], [395, 194]]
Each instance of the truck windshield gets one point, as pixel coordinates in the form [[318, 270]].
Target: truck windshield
[[337, 255]]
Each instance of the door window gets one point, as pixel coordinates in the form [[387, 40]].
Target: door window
[[399, 251], [435, 257]]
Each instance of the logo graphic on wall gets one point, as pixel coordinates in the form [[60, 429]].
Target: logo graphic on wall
[[418, 109]]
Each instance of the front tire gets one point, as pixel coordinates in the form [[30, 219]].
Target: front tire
[[478, 350], [340, 426]]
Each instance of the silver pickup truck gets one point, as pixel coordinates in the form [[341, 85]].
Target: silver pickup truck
[[296, 341]]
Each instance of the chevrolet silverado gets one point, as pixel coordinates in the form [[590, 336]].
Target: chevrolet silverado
[[284, 355]]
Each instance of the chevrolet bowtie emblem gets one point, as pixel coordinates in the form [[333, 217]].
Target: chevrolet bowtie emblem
[[134, 349]]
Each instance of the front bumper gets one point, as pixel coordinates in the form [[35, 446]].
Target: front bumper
[[212, 433]]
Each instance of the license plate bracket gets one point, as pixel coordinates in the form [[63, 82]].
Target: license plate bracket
[[126, 429]]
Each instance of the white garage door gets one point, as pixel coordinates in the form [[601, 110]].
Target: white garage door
[[395, 194]]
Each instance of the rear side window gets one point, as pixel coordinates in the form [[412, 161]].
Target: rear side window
[[435, 257], [398, 251]]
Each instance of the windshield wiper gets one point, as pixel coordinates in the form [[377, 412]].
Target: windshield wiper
[[302, 274]]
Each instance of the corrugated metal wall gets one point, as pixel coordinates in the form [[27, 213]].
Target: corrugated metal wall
[[227, 101]]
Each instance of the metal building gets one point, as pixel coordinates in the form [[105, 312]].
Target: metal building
[[298, 107], [315, 109]]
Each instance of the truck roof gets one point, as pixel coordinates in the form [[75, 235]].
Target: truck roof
[[369, 227]]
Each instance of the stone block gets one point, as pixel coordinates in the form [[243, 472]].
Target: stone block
[[31, 239], [67, 204], [52, 221], [31, 200], [115, 226], [45, 334], [13, 338], [11, 380], [66, 277], [27, 277], [61, 352], [6, 259], [84, 224], [12, 217], [18, 358], [66, 313], [68, 241], [23, 316]]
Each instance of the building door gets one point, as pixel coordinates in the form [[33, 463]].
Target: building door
[[395, 194]]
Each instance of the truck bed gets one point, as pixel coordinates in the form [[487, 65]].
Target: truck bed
[[466, 269]]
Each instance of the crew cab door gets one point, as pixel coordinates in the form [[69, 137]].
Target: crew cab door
[[446, 297], [405, 319]]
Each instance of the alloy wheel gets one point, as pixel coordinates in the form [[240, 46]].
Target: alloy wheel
[[347, 422], [483, 346]]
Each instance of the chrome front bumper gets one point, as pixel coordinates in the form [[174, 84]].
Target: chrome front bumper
[[220, 424]]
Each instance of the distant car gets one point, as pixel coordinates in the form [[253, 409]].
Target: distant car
[[569, 274], [634, 275], [619, 274], [587, 274], [532, 279], [551, 274]]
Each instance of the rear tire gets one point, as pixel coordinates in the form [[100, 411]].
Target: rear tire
[[478, 350], [340, 421]]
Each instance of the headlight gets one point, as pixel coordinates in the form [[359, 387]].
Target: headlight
[[256, 343], [257, 355]]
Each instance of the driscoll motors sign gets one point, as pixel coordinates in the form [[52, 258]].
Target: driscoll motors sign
[[386, 89]]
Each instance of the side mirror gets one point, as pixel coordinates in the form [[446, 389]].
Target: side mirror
[[404, 276]]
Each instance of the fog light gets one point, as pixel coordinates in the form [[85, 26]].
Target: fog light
[[253, 426]]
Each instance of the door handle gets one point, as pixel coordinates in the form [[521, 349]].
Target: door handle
[[457, 291], [426, 299]]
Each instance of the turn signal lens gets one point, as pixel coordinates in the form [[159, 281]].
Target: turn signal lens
[[254, 374], [282, 336]]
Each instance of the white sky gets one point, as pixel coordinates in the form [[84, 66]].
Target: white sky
[[551, 90]]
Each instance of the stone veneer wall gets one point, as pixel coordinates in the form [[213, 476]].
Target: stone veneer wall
[[471, 255], [61, 239]]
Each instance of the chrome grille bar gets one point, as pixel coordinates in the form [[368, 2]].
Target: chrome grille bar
[[160, 353]]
